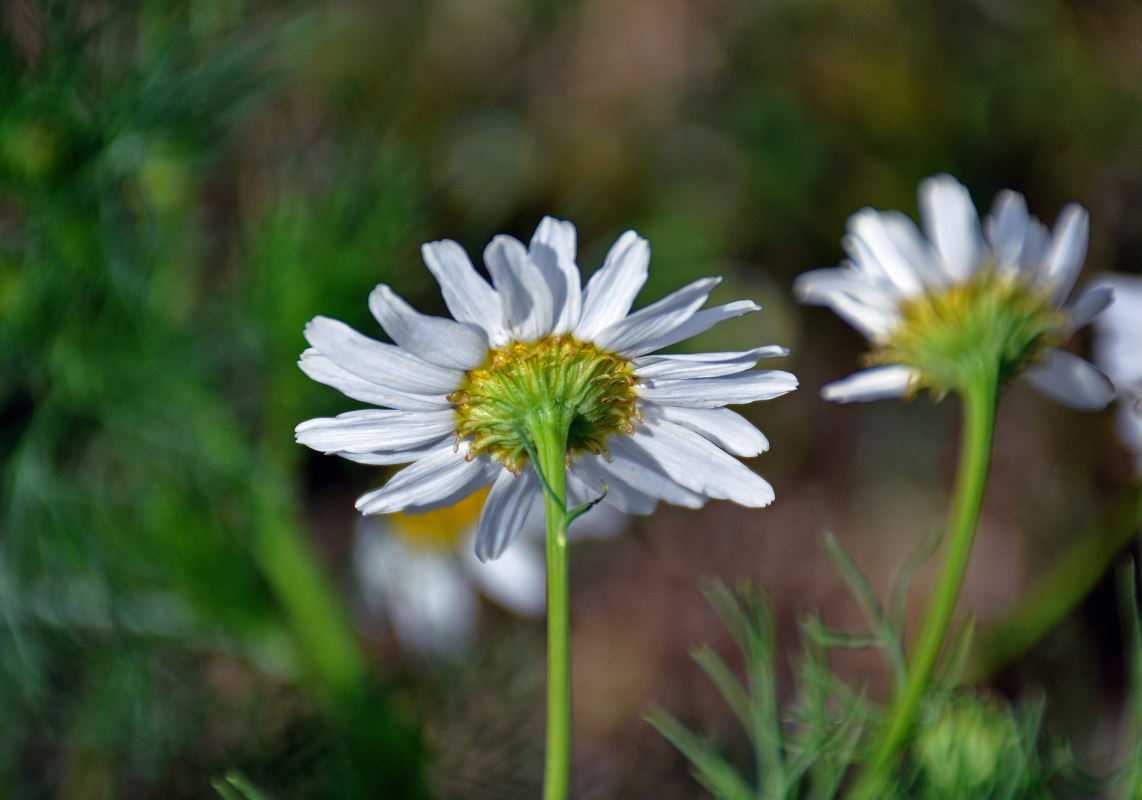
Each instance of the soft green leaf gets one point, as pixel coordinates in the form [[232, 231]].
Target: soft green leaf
[[886, 635], [711, 770]]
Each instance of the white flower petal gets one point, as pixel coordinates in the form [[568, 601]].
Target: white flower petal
[[1015, 236], [469, 297], [1118, 346], [1118, 351], [697, 323], [505, 511], [703, 365], [384, 458], [727, 429], [952, 224], [526, 295], [439, 479], [821, 286], [913, 247], [875, 324], [1088, 304], [378, 363], [424, 593], [552, 249], [612, 289], [516, 580], [588, 479], [648, 324], [747, 387], [627, 466], [1064, 258], [1072, 381], [825, 286], [701, 466], [322, 369], [870, 306], [437, 340], [372, 430], [871, 246], [878, 383]]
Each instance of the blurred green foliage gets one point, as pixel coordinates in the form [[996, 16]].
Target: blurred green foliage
[[150, 534], [184, 184]]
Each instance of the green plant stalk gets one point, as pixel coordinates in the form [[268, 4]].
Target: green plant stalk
[[1060, 589], [549, 433], [310, 602], [979, 397]]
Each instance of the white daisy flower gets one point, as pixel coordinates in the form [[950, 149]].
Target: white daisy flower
[[937, 303], [419, 572], [1118, 350], [459, 395]]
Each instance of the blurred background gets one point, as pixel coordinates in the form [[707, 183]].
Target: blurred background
[[184, 591]]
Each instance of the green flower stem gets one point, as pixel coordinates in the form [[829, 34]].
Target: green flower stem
[[979, 400], [549, 430]]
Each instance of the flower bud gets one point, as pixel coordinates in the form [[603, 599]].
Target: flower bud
[[966, 751]]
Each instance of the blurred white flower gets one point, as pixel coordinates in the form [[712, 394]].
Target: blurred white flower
[[421, 573], [939, 303], [463, 398], [1118, 350]]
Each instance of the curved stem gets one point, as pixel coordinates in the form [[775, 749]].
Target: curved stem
[[979, 400], [550, 436]]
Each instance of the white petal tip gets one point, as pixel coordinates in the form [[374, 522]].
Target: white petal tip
[[878, 383], [1072, 381]]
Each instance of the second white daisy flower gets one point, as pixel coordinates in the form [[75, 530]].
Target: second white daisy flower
[[958, 295]]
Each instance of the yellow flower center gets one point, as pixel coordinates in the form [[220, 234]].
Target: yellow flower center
[[592, 390], [442, 529], [994, 321]]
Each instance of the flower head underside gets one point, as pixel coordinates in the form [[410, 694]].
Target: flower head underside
[[941, 305], [590, 389], [459, 399]]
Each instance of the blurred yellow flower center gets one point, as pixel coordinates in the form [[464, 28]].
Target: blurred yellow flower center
[[442, 529], [994, 321], [591, 389]]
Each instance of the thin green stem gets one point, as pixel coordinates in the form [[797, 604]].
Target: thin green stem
[[979, 401], [549, 433], [306, 595]]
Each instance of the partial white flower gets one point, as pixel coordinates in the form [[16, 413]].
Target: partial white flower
[[455, 394], [419, 573], [1118, 350], [933, 302]]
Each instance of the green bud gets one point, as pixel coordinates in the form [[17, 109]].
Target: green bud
[[968, 750]]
